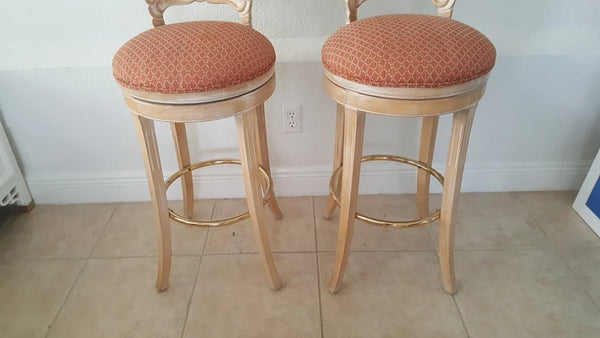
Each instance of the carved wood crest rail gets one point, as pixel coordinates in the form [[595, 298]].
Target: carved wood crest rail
[[158, 7], [444, 8]]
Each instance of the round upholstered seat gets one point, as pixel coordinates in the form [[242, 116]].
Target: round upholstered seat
[[408, 51], [193, 57]]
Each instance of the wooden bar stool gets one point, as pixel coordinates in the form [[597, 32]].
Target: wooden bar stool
[[409, 66], [194, 72]]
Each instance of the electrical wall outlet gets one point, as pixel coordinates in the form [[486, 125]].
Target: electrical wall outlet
[[292, 119]]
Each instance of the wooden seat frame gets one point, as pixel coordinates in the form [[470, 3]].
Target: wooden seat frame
[[244, 102], [354, 100]]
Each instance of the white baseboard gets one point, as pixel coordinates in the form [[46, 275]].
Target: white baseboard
[[514, 176]]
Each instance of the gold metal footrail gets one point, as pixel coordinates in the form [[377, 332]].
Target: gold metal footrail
[[382, 223], [217, 223]]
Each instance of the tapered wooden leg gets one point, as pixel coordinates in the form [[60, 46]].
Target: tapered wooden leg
[[338, 155], [183, 159], [354, 125], [428, 134], [263, 158], [457, 152], [149, 147], [247, 126]]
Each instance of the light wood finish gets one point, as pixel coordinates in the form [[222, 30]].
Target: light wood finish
[[158, 7], [246, 103], [352, 10], [201, 112], [149, 147], [204, 97], [183, 159], [429, 103], [262, 149], [428, 135], [241, 107], [407, 93], [404, 107], [354, 128], [457, 153], [444, 8], [247, 126], [430, 109], [338, 156]]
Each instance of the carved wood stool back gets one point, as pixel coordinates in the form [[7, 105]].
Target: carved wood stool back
[[409, 66], [194, 72]]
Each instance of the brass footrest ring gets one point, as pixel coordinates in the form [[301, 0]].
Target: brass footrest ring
[[217, 223], [383, 223]]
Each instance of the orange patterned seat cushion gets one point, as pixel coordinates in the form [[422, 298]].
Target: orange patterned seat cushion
[[193, 57], [408, 51]]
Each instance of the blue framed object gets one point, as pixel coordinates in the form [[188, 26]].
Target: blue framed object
[[587, 203], [593, 201]]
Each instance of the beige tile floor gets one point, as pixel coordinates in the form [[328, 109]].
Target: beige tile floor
[[527, 266]]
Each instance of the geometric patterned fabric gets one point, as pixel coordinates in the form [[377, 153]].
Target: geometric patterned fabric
[[193, 57], [408, 51]]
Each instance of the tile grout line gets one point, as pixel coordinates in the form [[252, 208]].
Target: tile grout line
[[430, 239], [461, 316], [458, 309], [553, 243], [309, 252], [18, 259], [534, 219], [505, 248], [550, 239], [560, 256], [559, 251], [414, 198], [436, 253], [416, 251], [312, 199], [5, 224], [174, 255], [104, 230], [385, 250], [256, 252], [87, 259], [189, 304], [141, 256]]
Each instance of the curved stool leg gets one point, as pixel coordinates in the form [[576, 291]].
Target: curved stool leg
[[457, 152], [337, 157], [149, 147], [263, 157], [428, 134], [354, 129], [247, 126], [183, 159]]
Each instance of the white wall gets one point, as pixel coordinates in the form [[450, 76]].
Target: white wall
[[536, 128]]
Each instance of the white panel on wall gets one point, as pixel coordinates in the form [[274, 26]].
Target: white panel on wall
[[13, 190]]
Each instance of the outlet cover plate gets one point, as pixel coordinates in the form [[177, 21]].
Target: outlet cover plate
[[292, 119]]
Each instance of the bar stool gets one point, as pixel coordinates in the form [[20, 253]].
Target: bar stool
[[410, 66], [194, 72]]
